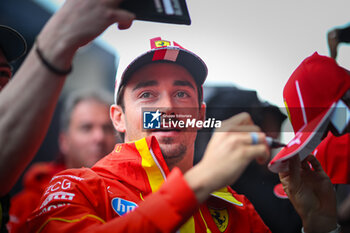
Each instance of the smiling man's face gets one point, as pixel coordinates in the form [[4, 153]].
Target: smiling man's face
[[161, 85]]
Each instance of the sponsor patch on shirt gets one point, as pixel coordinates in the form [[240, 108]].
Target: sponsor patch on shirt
[[68, 176], [57, 196], [220, 217], [51, 207], [121, 206]]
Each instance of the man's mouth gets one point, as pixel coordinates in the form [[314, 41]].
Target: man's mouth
[[166, 132]]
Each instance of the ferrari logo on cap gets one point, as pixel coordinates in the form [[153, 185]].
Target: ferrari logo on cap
[[161, 43], [295, 141]]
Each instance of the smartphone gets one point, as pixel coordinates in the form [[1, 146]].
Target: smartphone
[[162, 11]]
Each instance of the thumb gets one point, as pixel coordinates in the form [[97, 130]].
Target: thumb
[[124, 18]]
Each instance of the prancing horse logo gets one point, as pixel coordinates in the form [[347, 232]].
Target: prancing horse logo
[[220, 217]]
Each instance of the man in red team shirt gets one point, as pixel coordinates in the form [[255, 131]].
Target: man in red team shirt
[[152, 173], [86, 134]]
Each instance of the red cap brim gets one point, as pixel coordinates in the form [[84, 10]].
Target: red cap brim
[[304, 142]]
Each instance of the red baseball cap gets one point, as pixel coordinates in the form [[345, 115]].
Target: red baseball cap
[[310, 95], [164, 51]]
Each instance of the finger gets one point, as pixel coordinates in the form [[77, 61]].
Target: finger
[[258, 138], [253, 138], [122, 17], [294, 170], [294, 164], [259, 152], [305, 165], [243, 118], [124, 25], [314, 163], [113, 3]]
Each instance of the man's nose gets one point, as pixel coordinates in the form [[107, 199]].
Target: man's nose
[[98, 134], [166, 101], [167, 105]]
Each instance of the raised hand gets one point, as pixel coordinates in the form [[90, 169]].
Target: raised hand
[[311, 193]]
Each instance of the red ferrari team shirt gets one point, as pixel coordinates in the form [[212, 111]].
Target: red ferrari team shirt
[[132, 190]]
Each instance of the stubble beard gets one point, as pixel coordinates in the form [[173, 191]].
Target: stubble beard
[[174, 155]]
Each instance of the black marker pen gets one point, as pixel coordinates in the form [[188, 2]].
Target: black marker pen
[[273, 143]]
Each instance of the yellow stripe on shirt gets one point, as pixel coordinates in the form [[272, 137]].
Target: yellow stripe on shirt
[[70, 220], [225, 195], [188, 227], [153, 172]]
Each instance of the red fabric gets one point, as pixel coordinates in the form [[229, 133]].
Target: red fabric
[[159, 55], [309, 94], [82, 199], [92, 200], [34, 183], [313, 87], [334, 156], [242, 219], [152, 42]]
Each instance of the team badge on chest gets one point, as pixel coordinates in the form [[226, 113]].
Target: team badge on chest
[[220, 217]]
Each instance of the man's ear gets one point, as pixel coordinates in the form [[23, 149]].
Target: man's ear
[[63, 143], [117, 117], [203, 111]]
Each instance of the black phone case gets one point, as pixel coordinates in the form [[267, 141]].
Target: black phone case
[[156, 11]]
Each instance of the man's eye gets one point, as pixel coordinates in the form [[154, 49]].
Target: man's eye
[[85, 128], [181, 94], [145, 95]]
